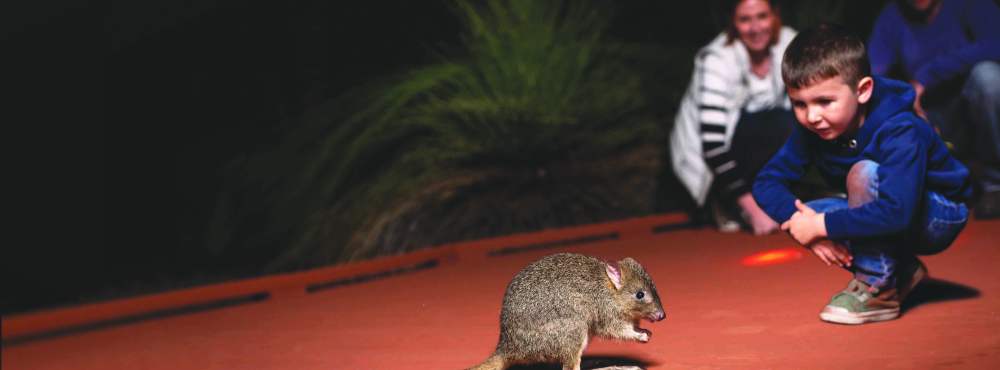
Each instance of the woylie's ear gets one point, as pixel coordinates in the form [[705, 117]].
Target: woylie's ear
[[615, 274]]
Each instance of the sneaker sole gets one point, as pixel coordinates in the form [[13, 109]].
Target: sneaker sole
[[842, 316]]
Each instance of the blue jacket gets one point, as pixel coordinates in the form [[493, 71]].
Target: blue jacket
[[912, 160], [963, 33]]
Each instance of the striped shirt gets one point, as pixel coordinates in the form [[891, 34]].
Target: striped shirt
[[722, 86]]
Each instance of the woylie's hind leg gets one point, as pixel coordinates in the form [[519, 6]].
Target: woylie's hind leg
[[571, 361]]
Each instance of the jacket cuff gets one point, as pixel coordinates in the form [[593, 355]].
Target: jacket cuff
[[836, 224]]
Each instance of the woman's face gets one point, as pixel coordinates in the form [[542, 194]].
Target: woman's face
[[754, 23], [923, 5]]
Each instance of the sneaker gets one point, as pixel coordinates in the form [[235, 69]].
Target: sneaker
[[724, 221], [988, 205], [860, 303], [910, 275]]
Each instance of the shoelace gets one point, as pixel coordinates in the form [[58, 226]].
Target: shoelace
[[860, 290]]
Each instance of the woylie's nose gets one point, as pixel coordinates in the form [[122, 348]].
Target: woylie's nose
[[659, 315]]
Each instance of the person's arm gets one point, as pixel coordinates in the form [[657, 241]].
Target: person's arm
[[902, 166], [981, 20], [772, 187], [883, 45], [716, 114]]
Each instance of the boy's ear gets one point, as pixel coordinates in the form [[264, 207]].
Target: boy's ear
[[865, 88]]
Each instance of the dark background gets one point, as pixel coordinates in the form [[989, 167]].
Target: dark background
[[123, 114]]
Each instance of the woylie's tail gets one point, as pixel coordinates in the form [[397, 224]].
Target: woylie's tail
[[494, 362]]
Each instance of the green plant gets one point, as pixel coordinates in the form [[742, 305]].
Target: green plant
[[534, 83], [801, 15]]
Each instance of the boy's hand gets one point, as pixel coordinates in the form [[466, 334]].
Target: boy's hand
[[831, 253], [918, 89], [805, 225]]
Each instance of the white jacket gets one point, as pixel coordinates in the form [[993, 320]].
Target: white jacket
[[720, 88]]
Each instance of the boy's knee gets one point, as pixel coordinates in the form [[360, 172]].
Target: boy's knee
[[862, 174], [984, 80], [862, 182]]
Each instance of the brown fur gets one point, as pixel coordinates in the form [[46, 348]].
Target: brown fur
[[554, 305]]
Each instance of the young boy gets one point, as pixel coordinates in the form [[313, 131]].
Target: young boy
[[905, 192]]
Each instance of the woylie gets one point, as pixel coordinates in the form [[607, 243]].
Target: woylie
[[555, 305]]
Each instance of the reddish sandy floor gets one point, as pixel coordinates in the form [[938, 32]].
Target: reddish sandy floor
[[721, 314]]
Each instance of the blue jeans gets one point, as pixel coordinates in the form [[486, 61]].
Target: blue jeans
[[935, 227], [968, 114]]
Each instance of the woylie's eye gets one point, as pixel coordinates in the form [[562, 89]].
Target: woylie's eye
[[640, 294]]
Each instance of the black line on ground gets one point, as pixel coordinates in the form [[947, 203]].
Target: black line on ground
[[159, 314], [372, 276], [503, 251], [674, 227]]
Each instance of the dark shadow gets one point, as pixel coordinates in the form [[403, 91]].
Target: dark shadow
[[937, 290], [592, 362]]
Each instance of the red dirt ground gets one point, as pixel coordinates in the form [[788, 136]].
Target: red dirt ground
[[721, 314]]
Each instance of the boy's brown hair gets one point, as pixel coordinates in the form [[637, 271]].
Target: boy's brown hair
[[825, 51]]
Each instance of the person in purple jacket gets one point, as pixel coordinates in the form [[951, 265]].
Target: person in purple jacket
[[904, 191], [949, 51]]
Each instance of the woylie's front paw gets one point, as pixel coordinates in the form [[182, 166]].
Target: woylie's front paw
[[642, 335]]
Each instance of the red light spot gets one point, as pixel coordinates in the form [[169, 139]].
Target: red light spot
[[772, 257]]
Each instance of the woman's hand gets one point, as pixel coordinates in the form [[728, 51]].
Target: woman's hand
[[760, 222]]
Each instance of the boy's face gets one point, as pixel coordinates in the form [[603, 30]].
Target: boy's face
[[830, 108]]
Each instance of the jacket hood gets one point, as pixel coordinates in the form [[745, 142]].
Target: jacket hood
[[890, 97]]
